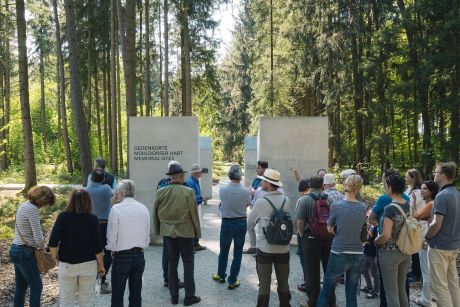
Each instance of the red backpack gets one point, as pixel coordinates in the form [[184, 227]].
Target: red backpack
[[318, 223]]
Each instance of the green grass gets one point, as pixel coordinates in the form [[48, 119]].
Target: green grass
[[46, 173]]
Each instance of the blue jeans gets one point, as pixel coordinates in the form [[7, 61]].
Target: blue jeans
[[127, 266], [339, 264], [27, 275], [231, 230]]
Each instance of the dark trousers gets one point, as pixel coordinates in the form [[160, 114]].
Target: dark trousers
[[231, 230], [265, 263], [315, 253], [107, 254], [180, 247], [127, 266], [415, 268], [300, 253]]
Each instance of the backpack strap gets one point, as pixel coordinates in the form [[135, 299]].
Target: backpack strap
[[273, 206], [400, 209]]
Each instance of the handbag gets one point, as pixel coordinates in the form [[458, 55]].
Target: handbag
[[45, 261]]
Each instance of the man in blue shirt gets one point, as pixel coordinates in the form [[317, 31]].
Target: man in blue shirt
[[193, 182]]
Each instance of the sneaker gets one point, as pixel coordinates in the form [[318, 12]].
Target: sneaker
[[105, 288], [217, 278], [302, 287], [234, 286], [372, 294], [198, 248], [190, 300], [419, 302], [250, 251]]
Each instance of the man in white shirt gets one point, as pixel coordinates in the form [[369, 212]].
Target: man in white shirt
[[128, 232]]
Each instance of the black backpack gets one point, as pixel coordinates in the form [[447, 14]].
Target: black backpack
[[280, 228]]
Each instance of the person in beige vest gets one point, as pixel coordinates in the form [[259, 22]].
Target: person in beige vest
[[175, 217]]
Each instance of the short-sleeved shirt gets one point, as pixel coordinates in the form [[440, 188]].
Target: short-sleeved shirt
[[349, 218], [234, 199], [304, 209], [333, 195], [380, 205], [395, 215], [101, 199], [447, 204]]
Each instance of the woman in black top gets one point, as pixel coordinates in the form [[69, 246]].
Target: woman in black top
[[76, 242]]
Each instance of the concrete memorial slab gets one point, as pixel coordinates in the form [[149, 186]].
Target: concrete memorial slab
[[297, 142], [250, 159], [206, 165], [153, 142]]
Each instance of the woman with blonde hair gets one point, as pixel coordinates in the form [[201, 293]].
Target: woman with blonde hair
[[76, 241], [29, 235], [347, 220]]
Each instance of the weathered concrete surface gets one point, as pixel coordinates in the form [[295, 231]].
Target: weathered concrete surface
[[153, 142], [206, 163], [297, 142], [250, 159]]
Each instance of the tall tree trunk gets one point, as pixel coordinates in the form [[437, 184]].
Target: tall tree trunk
[[113, 89], [105, 88], [98, 110], [118, 112], [7, 95], [42, 103], [109, 101], [357, 86], [30, 175], [166, 68], [81, 127], [127, 34], [89, 73], [186, 79], [147, 73], [61, 81], [141, 63]]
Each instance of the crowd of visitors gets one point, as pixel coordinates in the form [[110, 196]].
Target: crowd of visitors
[[103, 227]]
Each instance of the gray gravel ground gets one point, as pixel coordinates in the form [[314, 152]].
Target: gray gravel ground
[[211, 292]]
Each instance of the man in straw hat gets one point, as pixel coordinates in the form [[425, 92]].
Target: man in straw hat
[[176, 219], [268, 254]]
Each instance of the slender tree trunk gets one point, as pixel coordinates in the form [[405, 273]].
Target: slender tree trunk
[[166, 68], [118, 112], [113, 89], [30, 175], [160, 64], [42, 103], [141, 63], [81, 127], [147, 73], [89, 73], [109, 100], [7, 95], [105, 88], [98, 112], [186, 80], [61, 81], [3, 110]]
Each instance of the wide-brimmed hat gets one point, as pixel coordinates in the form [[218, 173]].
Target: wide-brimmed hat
[[196, 168], [329, 178], [273, 176], [174, 168]]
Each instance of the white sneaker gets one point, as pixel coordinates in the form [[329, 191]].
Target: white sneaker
[[106, 288]]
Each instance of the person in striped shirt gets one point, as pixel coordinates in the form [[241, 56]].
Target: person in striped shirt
[[29, 235]]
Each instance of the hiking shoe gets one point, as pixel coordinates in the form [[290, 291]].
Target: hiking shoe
[[198, 248], [250, 251], [105, 288], [234, 286], [190, 300], [372, 294], [174, 300], [217, 278], [302, 287]]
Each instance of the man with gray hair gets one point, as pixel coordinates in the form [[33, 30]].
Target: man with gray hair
[[128, 233], [234, 199], [176, 219]]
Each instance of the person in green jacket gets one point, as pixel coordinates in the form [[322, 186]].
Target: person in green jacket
[[176, 219]]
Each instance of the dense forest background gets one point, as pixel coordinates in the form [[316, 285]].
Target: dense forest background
[[385, 73]]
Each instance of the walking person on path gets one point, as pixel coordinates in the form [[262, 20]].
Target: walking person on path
[[393, 263], [269, 255], [76, 238], [101, 203], [175, 216], [347, 221], [28, 233], [128, 234], [234, 199], [443, 238]]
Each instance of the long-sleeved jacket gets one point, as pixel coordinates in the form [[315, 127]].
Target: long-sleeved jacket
[[194, 183], [175, 212]]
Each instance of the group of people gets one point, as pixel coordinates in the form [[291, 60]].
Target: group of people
[[103, 227]]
